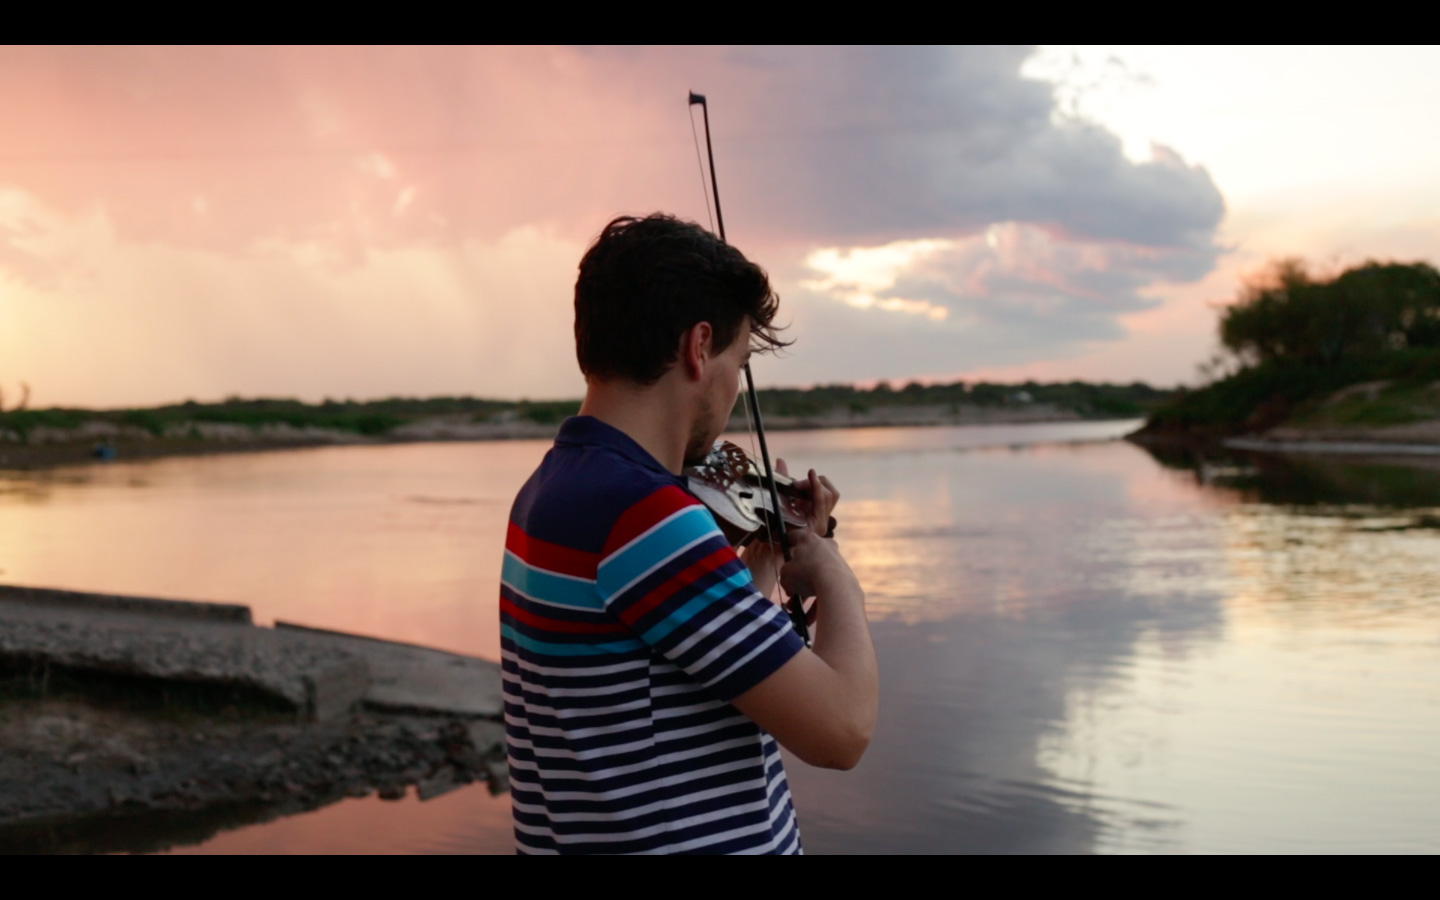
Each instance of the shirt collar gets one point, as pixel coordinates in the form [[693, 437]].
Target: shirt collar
[[590, 431]]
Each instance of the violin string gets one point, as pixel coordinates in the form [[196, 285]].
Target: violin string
[[754, 460], [704, 188]]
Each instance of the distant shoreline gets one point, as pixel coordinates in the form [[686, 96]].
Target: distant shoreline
[[52, 448]]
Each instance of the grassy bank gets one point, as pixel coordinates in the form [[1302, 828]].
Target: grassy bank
[[1400, 390], [1352, 355]]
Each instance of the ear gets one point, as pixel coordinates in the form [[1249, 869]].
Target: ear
[[697, 348]]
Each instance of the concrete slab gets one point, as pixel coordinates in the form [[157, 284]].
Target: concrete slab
[[184, 609], [332, 691], [317, 680], [381, 716], [409, 678], [321, 673]]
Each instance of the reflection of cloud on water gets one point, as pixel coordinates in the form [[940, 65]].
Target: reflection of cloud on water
[[1084, 651], [972, 710], [1012, 592]]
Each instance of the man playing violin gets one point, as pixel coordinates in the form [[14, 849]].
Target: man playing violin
[[647, 673]]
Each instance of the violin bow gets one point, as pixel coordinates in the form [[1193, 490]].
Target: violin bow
[[795, 607]]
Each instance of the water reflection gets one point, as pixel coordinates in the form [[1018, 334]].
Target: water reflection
[[1082, 652], [392, 541], [993, 575], [1293, 480], [468, 820], [1081, 649]]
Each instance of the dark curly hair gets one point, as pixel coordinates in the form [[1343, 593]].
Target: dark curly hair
[[645, 282]]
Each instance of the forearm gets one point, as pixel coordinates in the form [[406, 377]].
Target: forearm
[[842, 642], [821, 705], [842, 634]]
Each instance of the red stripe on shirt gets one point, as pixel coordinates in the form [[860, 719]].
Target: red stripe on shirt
[[534, 620], [664, 591], [551, 557], [642, 516]]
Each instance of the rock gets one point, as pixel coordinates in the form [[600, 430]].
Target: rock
[[487, 737], [391, 792], [333, 691], [499, 772], [442, 782]]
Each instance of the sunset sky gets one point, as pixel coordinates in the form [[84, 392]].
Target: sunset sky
[[372, 222]]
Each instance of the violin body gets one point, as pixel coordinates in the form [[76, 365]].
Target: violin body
[[737, 493]]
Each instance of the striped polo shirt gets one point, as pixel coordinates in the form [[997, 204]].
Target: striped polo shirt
[[627, 624]]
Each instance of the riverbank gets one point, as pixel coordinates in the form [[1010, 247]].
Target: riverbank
[[133, 724], [105, 442], [102, 441], [1381, 417]]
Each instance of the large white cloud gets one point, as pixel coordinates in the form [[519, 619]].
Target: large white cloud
[[880, 143]]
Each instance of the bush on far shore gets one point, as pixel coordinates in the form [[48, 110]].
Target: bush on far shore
[[1295, 339]]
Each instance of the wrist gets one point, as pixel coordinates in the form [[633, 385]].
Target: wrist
[[835, 579]]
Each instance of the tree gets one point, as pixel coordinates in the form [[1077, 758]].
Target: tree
[[1288, 314]]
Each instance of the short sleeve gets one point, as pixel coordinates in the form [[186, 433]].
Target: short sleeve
[[670, 576]]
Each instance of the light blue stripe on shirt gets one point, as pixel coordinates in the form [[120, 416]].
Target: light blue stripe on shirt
[[685, 528], [549, 649], [548, 587]]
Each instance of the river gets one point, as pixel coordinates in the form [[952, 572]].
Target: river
[[1083, 648]]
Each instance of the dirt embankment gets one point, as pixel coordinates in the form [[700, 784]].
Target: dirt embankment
[[1376, 417]]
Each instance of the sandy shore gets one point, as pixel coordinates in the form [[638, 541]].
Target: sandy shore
[[1415, 440]]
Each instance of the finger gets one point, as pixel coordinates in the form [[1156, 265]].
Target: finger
[[812, 613], [826, 497], [820, 506], [781, 467]]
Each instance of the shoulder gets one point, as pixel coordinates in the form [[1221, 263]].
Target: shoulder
[[664, 510], [587, 497]]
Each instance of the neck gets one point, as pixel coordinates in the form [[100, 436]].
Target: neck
[[652, 416]]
